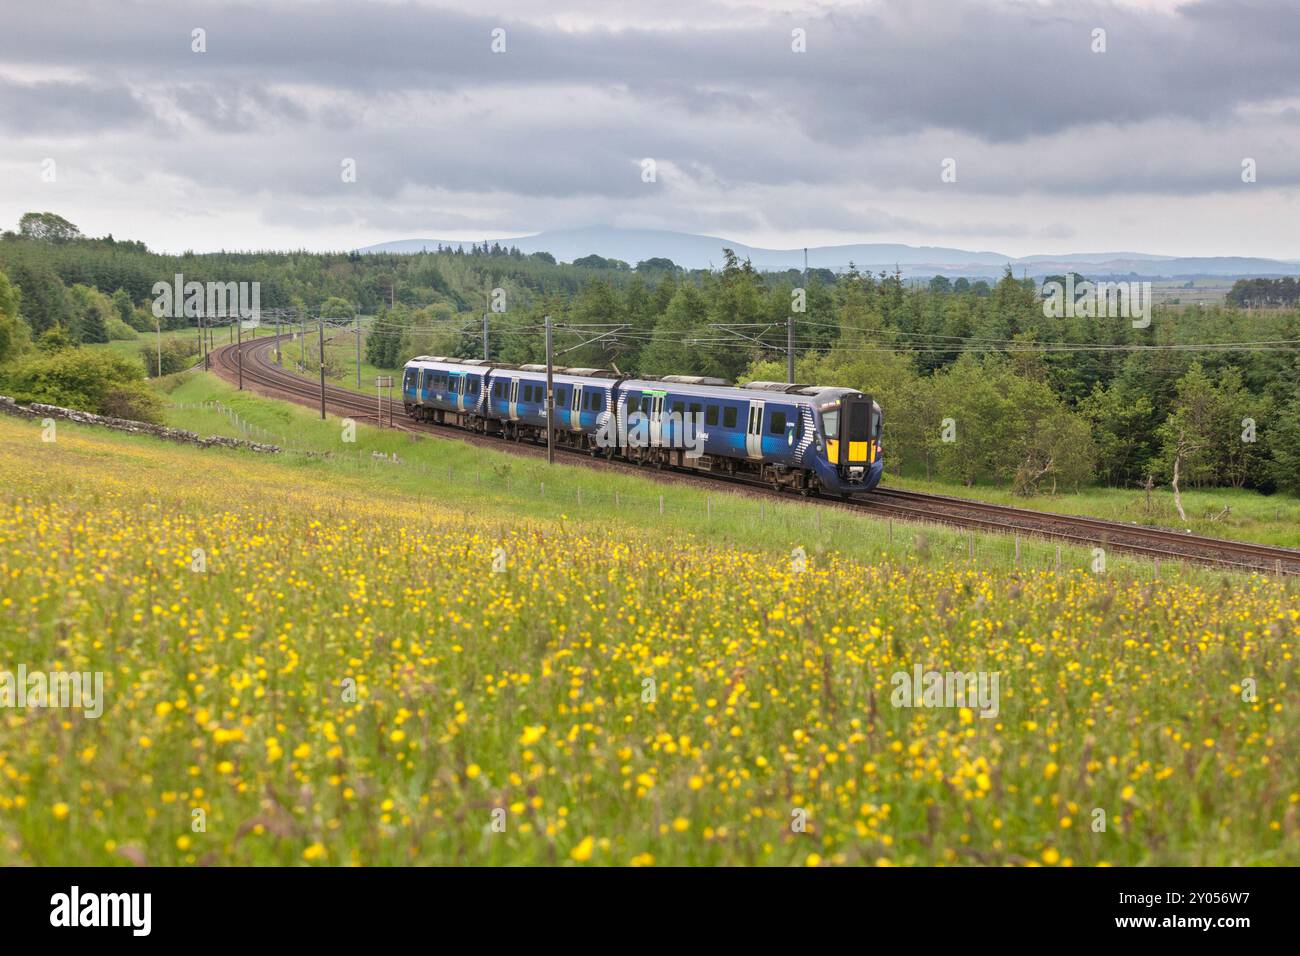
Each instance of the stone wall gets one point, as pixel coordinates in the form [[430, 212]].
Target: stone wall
[[36, 410]]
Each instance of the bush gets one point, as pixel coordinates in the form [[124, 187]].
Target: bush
[[119, 331], [133, 400], [177, 356], [92, 381]]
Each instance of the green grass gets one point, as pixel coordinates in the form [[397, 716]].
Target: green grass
[[476, 477], [1238, 514], [378, 663]]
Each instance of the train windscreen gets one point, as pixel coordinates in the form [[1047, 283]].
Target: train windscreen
[[859, 421]]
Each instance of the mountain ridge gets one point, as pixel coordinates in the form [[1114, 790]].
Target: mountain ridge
[[695, 251]]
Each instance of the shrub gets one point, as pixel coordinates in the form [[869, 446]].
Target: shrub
[[119, 331], [133, 400], [92, 381], [177, 356]]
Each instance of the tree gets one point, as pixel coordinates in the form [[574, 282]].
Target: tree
[[47, 227], [657, 264], [1284, 446], [670, 352], [1188, 435], [1123, 431], [13, 334], [91, 311], [55, 339], [384, 340], [44, 298]]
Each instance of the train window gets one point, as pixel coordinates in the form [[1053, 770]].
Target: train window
[[729, 417], [859, 421], [696, 411], [598, 401], [711, 415], [777, 425], [645, 404], [831, 423], [559, 398], [679, 408]]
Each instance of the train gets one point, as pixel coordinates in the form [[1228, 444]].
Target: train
[[806, 439]]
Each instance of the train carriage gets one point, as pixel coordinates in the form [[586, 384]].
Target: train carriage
[[804, 438]]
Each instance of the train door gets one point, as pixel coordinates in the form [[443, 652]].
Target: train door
[[754, 430], [656, 419], [514, 399], [575, 408], [856, 439]]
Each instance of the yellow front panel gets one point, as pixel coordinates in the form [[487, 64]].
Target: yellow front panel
[[832, 451], [857, 451]]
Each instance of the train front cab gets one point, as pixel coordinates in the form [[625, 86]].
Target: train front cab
[[851, 431]]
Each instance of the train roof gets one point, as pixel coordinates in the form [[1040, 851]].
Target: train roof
[[703, 386], [752, 391], [559, 373]]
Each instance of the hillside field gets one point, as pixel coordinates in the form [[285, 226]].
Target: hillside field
[[339, 660]]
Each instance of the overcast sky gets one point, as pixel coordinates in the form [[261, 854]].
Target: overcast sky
[[1057, 148]]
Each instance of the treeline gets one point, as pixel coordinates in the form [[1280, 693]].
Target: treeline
[[1264, 293], [977, 383]]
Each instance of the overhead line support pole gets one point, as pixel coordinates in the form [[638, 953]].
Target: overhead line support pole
[[550, 398], [321, 323]]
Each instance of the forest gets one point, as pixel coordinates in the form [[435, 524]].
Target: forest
[[978, 385]]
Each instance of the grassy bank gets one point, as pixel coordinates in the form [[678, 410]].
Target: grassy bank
[[310, 660]]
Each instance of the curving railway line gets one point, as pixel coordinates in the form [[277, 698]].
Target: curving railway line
[[261, 372]]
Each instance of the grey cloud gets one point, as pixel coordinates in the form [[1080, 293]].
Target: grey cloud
[[993, 70], [55, 108]]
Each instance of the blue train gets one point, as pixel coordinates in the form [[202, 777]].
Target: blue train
[[804, 438]]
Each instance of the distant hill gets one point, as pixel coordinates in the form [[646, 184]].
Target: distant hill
[[701, 252]]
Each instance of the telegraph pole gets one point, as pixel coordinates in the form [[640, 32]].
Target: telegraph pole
[[322, 368], [278, 360], [239, 352], [358, 318], [486, 357], [204, 344], [302, 344], [550, 398], [159, 321], [789, 347], [789, 325]]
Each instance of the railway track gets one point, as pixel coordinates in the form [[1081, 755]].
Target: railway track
[[260, 372]]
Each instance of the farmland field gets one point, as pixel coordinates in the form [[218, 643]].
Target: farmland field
[[305, 662]]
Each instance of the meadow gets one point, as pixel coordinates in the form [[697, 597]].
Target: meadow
[[315, 660]]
